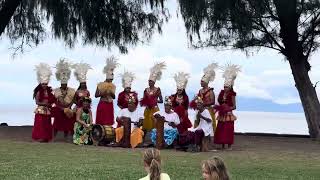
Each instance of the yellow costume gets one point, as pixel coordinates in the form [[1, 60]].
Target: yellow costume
[[136, 136]]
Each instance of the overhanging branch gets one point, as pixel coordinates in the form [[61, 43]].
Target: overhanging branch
[[315, 86], [314, 23], [6, 12], [265, 30]]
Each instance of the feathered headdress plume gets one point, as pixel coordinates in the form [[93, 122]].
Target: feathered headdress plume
[[156, 71], [63, 72], [80, 71], [209, 72], [43, 72], [181, 79], [111, 64], [230, 74]]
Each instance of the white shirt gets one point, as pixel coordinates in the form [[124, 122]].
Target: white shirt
[[172, 117], [163, 176], [135, 116], [204, 125]]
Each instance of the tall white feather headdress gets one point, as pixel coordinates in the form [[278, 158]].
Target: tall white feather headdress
[[181, 79], [230, 74], [63, 71], [209, 72], [111, 64], [80, 71], [43, 72], [156, 71], [127, 78]]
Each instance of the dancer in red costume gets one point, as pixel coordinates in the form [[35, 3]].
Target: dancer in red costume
[[80, 72], [224, 133], [106, 92], [152, 96], [180, 103], [63, 115], [206, 93], [126, 94], [42, 129]]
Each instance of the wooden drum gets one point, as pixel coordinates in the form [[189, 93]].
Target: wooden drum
[[160, 133], [126, 132], [101, 133]]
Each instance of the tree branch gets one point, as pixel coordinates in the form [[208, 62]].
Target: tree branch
[[270, 11], [271, 47], [314, 23], [265, 30], [7, 10], [310, 45], [302, 7], [315, 86]]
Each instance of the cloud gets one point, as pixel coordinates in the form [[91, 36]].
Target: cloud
[[287, 100], [264, 75]]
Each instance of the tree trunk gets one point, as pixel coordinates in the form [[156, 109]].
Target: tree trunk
[[6, 12], [308, 96], [289, 18]]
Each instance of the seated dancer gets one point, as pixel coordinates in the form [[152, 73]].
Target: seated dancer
[[136, 119], [63, 115], [224, 133], [106, 92], [204, 129], [80, 72], [171, 120], [180, 103], [42, 128], [152, 96], [126, 94], [83, 124], [206, 93]]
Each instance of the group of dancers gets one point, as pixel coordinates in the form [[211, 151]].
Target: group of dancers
[[176, 129]]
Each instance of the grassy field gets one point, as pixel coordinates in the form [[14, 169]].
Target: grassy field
[[26, 160]]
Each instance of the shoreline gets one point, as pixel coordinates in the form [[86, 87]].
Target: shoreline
[[257, 134]]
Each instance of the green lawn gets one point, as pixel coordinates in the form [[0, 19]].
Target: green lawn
[[25, 160]]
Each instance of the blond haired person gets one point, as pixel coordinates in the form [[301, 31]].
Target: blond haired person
[[152, 165], [214, 169]]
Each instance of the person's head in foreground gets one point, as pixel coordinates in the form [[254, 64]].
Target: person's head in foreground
[[152, 164], [214, 169]]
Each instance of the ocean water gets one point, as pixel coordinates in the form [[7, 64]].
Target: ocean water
[[262, 122]]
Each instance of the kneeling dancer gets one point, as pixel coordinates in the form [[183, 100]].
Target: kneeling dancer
[[171, 120], [199, 137], [135, 118]]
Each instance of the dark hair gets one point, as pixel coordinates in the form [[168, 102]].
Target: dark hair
[[80, 86], [231, 88], [86, 99], [36, 90], [183, 92]]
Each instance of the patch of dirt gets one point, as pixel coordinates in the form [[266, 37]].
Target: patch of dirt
[[242, 142]]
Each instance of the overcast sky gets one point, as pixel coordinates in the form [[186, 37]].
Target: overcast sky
[[265, 74]]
